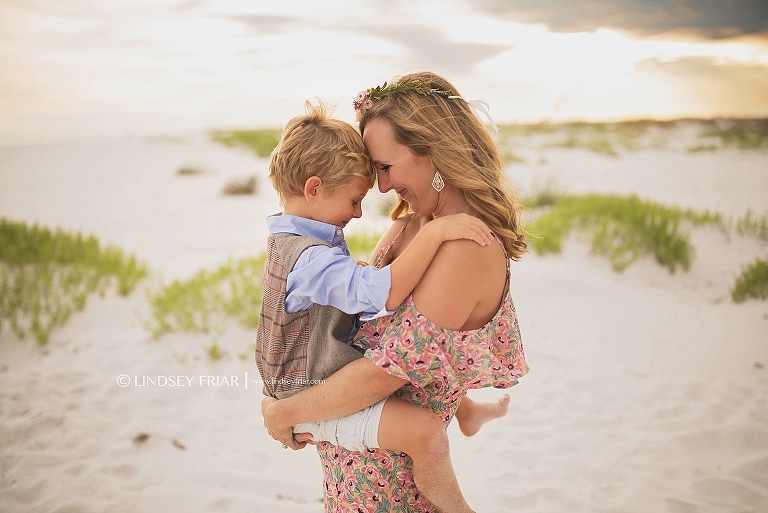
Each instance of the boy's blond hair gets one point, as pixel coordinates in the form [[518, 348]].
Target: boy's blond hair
[[318, 145]]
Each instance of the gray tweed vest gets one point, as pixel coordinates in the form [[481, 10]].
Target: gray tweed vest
[[295, 351]]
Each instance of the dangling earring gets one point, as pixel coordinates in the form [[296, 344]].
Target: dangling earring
[[437, 182]]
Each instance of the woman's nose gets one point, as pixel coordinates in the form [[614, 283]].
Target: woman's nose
[[384, 183]]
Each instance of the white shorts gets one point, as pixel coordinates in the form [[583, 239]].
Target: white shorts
[[356, 432]]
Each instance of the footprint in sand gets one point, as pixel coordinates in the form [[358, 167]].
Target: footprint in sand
[[28, 491], [727, 492], [76, 469], [681, 506], [754, 470], [122, 471], [219, 505]]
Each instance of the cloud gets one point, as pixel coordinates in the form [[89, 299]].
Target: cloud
[[722, 87], [428, 48], [264, 24], [712, 19]]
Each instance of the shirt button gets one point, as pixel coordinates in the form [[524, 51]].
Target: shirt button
[[338, 232]]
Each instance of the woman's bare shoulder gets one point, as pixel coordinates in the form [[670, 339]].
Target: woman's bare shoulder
[[463, 284], [466, 257]]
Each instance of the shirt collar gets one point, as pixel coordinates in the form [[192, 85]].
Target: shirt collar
[[279, 223]]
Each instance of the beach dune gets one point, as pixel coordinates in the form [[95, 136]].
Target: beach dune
[[648, 391]]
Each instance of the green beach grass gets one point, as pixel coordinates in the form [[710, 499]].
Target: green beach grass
[[744, 134], [621, 228], [261, 142], [602, 138], [595, 140], [625, 228], [752, 282], [199, 304], [45, 275], [751, 224]]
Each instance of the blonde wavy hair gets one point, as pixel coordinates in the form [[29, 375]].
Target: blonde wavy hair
[[316, 144], [461, 149]]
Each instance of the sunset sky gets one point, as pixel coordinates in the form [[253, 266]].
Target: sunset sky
[[103, 67]]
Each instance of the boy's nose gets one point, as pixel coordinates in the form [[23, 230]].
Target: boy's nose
[[358, 212]]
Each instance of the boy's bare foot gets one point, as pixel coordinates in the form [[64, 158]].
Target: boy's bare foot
[[471, 415]]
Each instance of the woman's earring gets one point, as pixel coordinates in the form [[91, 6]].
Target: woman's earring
[[437, 182]]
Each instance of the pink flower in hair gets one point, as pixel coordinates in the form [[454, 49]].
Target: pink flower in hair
[[362, 100]]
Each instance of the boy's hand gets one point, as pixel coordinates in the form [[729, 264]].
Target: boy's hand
[[462, 226]]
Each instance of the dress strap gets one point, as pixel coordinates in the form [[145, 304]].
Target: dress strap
[[501, 244], [383, 251], [509, 270]]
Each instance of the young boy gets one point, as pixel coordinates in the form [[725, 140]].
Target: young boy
[[313, 290]]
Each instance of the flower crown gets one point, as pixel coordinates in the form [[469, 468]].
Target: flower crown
[[364, 99]]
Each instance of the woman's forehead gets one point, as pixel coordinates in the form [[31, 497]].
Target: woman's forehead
[[378, 136]]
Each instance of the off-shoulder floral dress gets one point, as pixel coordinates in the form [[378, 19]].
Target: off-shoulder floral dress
[[440, 366]]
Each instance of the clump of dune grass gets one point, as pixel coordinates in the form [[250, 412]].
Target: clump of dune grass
[[527, 130], [603, 138], [248, 353], [592, 140], [751, 224], [199, 304], [190, 171], [214, 351], [543, 196], [622, 228], [45, 275], [744, 134], [261, 142], [701, 148], [241, 187], [752, 282], [509, 157]]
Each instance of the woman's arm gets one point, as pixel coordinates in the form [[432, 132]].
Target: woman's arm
[[352, 388]]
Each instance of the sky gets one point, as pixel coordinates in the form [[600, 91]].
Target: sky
[[95, 68]]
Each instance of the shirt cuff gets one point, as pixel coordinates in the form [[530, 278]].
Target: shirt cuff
[[367, 316]]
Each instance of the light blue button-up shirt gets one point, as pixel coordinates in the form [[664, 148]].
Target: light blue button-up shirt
[[329, 275]]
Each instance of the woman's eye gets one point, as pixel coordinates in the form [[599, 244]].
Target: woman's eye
[[385, 168]]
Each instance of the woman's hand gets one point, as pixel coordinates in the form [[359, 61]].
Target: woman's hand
[[283, 435], [461, 226]]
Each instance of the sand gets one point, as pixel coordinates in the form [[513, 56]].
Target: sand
[[647, 391]]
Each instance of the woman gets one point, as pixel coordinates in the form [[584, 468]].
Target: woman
[[458, 330]]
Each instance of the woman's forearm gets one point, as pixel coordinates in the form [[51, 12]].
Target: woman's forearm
[[355, 386]]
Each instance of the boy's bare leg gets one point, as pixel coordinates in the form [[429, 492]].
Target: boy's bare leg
[[471, 415], [418, 432]]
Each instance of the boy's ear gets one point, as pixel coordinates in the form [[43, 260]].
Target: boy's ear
[[312, 188]]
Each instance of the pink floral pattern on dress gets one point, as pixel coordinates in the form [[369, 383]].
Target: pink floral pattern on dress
[[440, 366]]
